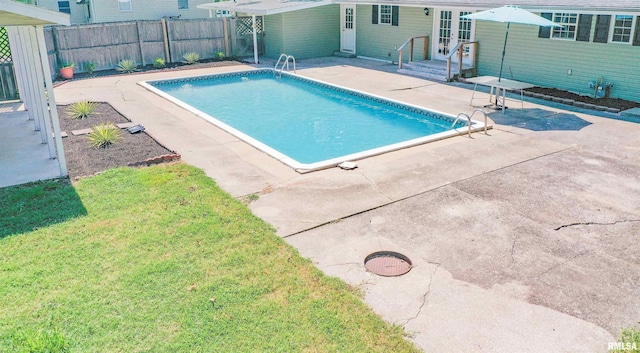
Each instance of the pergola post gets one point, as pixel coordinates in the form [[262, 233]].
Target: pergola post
[[255, 39]]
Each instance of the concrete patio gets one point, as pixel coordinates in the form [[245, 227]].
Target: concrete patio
[[23, 156], [521, 241]]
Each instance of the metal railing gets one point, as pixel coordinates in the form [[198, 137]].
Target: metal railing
[[285, 63], [459, 51], [469, 117], [410, 42]]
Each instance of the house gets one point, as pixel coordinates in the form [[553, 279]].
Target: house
[[98, 11], [599, 40]]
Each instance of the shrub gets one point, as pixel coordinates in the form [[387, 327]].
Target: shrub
[[82, 109], [219, 55], [89, 67], [191, 58], [159, 63], [127, 66], [104, 135]]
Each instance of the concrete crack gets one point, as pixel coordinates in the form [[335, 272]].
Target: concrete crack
[[410, 88], [562, 263], [424, 297], [375, 186], [515, 239], [597, 223]]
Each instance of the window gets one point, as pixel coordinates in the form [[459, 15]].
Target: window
[[63, 6], [183, 4], [569, 24], [385, 14], [124, 5], [622, 29]]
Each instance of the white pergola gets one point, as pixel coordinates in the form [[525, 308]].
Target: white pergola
[[262, 8], [24, 25]]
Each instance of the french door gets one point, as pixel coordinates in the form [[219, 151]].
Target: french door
[[449, 30]]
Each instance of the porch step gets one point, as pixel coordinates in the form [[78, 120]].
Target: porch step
[[429, 69], [343, 54]]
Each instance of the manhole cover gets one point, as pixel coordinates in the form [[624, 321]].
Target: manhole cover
[[387, 263]]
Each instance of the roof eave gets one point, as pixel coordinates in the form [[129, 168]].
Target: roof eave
[[239, 7], [19, 14]]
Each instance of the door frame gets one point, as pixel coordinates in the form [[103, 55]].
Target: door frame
[[455, 25], [343, 30]]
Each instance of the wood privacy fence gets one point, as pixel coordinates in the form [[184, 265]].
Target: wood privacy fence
[[105, 44]]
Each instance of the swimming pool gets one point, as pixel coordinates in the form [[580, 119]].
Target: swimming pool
[[304, 123]]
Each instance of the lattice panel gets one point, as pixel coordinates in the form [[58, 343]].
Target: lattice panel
[[244, 25], [5, 51]]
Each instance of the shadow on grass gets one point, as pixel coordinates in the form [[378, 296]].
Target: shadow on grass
[[27, 207]]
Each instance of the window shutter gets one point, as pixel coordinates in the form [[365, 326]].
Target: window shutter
[[584, 28], [636, 36], [394, 15], [374, 14], [602, 29], [545, 32]]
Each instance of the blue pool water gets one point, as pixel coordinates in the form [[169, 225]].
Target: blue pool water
[[305, 120]]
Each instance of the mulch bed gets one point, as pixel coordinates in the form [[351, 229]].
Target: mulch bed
[[203, 64], [606, 102], [84, 160]]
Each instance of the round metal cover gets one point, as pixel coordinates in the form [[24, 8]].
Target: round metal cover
[[387, 263]]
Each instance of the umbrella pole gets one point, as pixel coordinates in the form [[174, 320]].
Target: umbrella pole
[[504, 48]]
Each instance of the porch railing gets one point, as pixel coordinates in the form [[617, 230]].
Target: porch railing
[[459, 50], [410, 42]]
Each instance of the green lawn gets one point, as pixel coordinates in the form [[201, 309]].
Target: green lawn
[[160, 259]]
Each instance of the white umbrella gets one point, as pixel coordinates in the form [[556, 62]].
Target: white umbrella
[[510, 14]]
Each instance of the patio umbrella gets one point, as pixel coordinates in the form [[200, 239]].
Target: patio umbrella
[[510, 14]]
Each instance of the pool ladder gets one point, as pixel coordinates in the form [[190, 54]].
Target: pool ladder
[[469, 120], [285, 64]]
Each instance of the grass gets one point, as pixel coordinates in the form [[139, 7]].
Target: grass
[[160, 259], [629, 341]]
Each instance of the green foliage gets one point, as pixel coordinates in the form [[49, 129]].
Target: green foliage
[[159, 63], [127, 66], [104, 135], [629, 341], [89, 67], [50, 340], [163, 260], [81, 110], [65, 65], [191, 58], [219, 55]]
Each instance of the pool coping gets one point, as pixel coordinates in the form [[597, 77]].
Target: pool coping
[[299, 167]]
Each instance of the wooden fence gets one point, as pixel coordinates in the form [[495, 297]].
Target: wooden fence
[[105, 44]]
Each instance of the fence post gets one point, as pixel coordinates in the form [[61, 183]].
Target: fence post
[[225, 27], [140, 42], [165, 37], [56, 47]]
